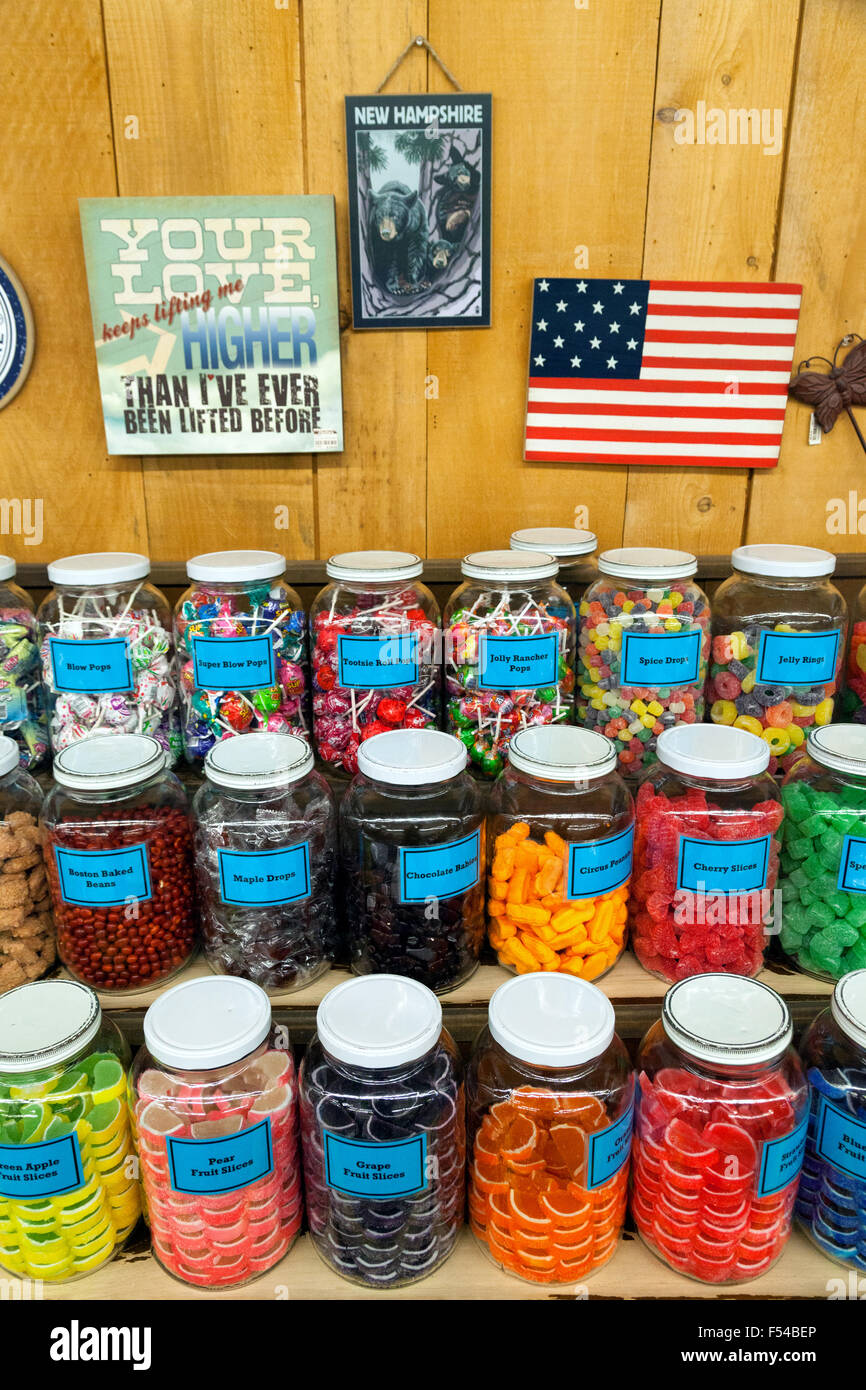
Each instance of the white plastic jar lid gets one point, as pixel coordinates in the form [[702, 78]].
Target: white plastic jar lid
[[558, 541], [840, 746], [727, 1019], [105, 762], [562, 753], [236, 566], [374, 566], [648, 562], [509, 566], [379, 1021], [202, 1024], [848, 1006], [258, 760], [8, 754], [783, 561], [551, 1020], [45, 1023], [716, 751], [98, 568], [412, 757], [7, 567]]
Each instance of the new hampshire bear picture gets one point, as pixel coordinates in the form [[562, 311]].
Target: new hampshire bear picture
[[419, 210]]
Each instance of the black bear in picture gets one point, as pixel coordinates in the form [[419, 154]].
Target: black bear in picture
[[460, 185], [439, 255], [397, 238]]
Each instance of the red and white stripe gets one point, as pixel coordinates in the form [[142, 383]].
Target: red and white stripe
[[712, 389]]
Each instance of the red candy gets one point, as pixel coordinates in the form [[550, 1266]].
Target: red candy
[[696, 1165], [676, 932]]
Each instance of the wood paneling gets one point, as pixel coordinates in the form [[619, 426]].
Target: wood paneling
[[246, 96]]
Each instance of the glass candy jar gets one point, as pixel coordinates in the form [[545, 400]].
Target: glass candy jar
[[561, 829], [643, 644], [706, 854], [22, 711], [412, 837], [831, 1198], [215, 1111], [265, 857], [241, 641], [68, 1192], [26, 923], [509, 652], [107, 651], [720, 1129], [382, 1121], [550, 1104], [854, 695], [118, 853], [823, 879], [779, 628], [573, 549], [376, 651]]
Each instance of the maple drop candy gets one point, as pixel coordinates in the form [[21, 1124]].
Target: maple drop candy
[[118, 854], [383, 1128], [265, 860], [779, 628], [720, 1129], [68, 1190], [376, 647], [823, 864], [215, 1113], [643, 644], [831, 1198], [706, 855], [241, 636], [561, 828], [509, 652], [550, 1105], [412, 837]]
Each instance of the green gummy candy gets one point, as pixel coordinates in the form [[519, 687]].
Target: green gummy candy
[[831, 841], [855, 957], [838, 901], [820, 915], [853, 796], [814, 826], [789, 938], [796, 802], [829, 858], [800, 848], [856, 913], [813, 868], [788, 890]]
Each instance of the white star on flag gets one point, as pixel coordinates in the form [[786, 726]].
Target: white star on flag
[[578, 327], [581, 287], [614, 328], [597, 307], [542, 285], [618, 287], [631, 344], [539, 361], [561, 306], [558, 342], [595, 342], [575, 361], [542, 325], [634, 308], [611, 362]]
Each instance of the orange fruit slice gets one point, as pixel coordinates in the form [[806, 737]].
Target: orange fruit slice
[[537, 1102], [586, 1110], [569, 1270], [534, 1242], [569, 1141], [487, 1180], [502, 1237], [486, 1151], [534, 1260], [503, 1113], [520, 1140], [566, 1209], [577, 1237], [526, 1213]]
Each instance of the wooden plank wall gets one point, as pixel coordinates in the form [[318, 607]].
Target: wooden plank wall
[[245, 96]]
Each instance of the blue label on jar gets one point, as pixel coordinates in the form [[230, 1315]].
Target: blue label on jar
[[233, 663], [440, 871], [47, 1169], [797, 658], [666, 658], [517, 663], [782, 1159], [97, 666], [376, 1170], [265, 878], [852, 865], [378, 663], [841, 1139], [608, 1149], [599, 866], [221, 1165], [723, 866], [103, 877]]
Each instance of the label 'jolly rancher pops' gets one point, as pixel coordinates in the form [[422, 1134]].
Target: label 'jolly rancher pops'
[[509, 648]]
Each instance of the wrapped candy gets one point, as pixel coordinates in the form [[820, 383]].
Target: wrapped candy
[[509, 652], [22, 706], [241, 638], [106, 650], [375, 654]]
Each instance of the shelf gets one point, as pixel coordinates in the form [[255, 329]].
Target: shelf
[[633, 1273]]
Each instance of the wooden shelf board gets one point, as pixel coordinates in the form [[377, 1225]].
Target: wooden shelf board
[[627, 983], [801, 1273]]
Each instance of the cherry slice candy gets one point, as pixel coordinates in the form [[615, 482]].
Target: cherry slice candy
[[687, 1145]]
